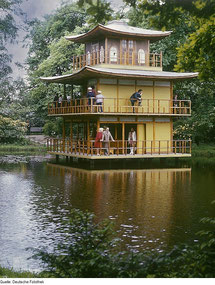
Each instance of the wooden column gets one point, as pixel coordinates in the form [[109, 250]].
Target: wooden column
[[64, 90], [117, 96], [106, 50], [153, 135], [123, 137], [98, 124], [72, 92], [64, 133], [71, 137], [71, 132], [153, 94], [115, 132], [88, 130]]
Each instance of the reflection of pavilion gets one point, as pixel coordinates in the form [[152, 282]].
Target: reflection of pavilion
[[147, 199]]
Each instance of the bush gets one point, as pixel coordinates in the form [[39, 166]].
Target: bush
[[89, 250], [11, 130], [53, 128]]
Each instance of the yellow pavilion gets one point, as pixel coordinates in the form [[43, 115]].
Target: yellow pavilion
[[118, 62]]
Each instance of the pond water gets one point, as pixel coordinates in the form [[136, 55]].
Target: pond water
[[153, 207]]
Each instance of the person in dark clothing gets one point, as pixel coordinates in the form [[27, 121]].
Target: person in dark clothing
[[93, 90], [136, 97], [90, 96], [56, 98]]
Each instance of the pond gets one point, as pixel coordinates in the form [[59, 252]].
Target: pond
[[154, 206]]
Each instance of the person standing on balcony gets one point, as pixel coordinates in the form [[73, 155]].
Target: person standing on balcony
[[98, 139], [136, 97], [106, 138], [132, 139], [90, 96], [56, 99], [60, 101], [99, 101]]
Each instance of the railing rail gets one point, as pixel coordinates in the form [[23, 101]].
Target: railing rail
[[119, 147], [121, 58], [121, 106]]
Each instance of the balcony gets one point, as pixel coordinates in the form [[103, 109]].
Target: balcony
[[119, 149], [121, 106], [123, 58]]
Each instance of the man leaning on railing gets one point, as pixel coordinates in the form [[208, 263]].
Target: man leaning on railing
[[136, 97]]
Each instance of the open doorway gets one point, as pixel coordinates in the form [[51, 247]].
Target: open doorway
[[128, 128]]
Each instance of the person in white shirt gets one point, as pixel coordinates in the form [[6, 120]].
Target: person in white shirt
[[106, 138], [132, 139], [99, 101]]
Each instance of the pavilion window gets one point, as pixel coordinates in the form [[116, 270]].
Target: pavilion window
[[124, 45], [88, 58], [102, 54], [141, 56], [113, 54], [131, 45]]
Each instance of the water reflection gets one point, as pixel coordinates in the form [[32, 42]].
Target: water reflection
[[151, 208], [142, 202]]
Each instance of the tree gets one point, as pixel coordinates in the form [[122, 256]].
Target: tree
[[97, 11], [189, 48], [8, 32], [50, 54]]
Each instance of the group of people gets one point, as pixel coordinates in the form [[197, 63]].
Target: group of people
[[102, 140], [94, 98], [58, 100], [104, 137]]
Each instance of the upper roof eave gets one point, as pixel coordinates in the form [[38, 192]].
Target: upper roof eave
[[101, 29], [92, 72]]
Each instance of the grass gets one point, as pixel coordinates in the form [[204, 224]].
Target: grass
[[203, 150], [10, 273], [22, 148]]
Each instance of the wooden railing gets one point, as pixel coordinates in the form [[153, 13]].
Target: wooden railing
[[121, 106], [119, 147], [123, 58]]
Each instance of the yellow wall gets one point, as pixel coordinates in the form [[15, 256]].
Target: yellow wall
[[149, 136], [110, 92], [140, 137], [124, 93], [162, 133], [163, 94]]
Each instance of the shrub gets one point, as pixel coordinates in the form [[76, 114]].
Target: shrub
[[89, 250], [11, 130]]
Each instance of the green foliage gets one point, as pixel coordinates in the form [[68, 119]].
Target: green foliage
[[89, 250], [197, 53], [50, 54], [10, 273], [8, 32], [53, 128], [85, 250], [11, 130], [97, 11], [52, 28]]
